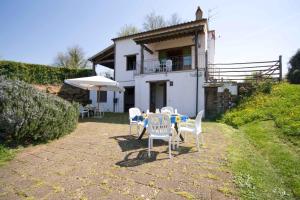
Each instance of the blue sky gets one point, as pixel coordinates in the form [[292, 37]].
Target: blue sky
[[36, 30]]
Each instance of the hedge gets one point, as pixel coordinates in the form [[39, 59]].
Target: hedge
[[39, 74], [28, 115]]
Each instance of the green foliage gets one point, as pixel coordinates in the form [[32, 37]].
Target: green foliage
[[265, 157], [6, 154], [294, 71], [39, 74], [281, 105], [30, 116]]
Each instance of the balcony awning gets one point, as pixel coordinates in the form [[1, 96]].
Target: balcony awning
[[104, 57]]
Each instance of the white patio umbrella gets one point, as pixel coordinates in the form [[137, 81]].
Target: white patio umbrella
[[95, 83]]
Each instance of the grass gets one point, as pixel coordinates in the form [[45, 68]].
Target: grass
[[6, 154], [264, 155], [185, 195], [281, 156], [254, 175]]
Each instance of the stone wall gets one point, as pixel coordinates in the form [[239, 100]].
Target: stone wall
[[66, 92]]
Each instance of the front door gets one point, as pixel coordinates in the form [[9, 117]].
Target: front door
[[158, 95], [128, 98]]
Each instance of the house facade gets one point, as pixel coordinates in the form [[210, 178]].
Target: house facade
[[161, 67]]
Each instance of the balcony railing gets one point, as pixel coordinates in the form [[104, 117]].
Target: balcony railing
[[176, 63], [170, 64]]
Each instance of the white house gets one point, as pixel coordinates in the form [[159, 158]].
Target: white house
[[161, 67]]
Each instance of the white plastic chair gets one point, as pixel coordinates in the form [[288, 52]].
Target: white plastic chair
[[169, 65], [195, 129], [168, 110], [159, 128], [133, 112], [83, 111]]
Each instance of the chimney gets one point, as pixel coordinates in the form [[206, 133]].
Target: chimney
[[199, 13]]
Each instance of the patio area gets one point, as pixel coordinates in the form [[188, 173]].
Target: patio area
[[100, 160]]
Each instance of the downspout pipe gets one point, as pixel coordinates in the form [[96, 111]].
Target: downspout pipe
[[114, 100], [197, 71]]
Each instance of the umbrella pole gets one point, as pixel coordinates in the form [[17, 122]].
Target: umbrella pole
[[98, 101]]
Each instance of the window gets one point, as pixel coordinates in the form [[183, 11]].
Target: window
[[131, 62], [102, 96], [187, 58]]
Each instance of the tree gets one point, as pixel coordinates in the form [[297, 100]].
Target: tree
[[73, 58], [175, 19], [294, 70], [153, 21], [128, 30]]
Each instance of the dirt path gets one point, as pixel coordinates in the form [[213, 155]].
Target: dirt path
[[100, 161]]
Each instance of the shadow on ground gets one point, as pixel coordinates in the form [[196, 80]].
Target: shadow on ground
[[138, 150], [109, 117]]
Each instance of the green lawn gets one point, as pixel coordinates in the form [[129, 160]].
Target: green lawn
[[264, 155], [6, 154]]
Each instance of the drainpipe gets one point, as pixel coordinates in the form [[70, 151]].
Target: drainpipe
[[197, 70], [114, 103]]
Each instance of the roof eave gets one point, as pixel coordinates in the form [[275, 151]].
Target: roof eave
[[101, 52], [204, 20]]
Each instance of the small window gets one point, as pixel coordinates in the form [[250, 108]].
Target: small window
[[102, 96], [131, 62]]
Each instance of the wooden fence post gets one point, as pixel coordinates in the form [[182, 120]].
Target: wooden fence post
[[280, 68]]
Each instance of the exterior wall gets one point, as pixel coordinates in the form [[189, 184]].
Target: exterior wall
[[106, 107], [129, 47], [211, 46], [182, 95]]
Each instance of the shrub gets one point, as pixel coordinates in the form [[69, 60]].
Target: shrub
[[264, 87], [30, 116], [39, 74], [294, 71]]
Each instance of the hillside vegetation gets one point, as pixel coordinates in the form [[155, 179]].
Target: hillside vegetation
[[282, 106], [265, 155]]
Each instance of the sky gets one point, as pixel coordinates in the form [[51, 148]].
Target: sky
[[35, 31]]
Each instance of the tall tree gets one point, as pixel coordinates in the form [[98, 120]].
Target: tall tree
[[73, 58], [175, 19], [128, 30], [294, 70], [153, 21]]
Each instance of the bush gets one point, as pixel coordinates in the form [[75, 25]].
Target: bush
[[294, 71], [39, 74], [264, 87], [30, 116]]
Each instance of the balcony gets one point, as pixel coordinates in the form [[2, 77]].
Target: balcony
[[178, 63]]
